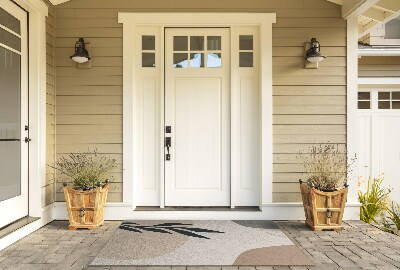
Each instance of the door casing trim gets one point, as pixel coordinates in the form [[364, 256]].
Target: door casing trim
[[37, 12], [131, 146]]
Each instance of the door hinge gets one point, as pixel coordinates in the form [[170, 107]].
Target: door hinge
[[27, 140]]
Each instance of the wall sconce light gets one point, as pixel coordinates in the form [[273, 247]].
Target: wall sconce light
[[313, 55], [81, 54]]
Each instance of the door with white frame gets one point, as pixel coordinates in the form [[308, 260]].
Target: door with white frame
[[379, 136], [13, 113], [197, 117]]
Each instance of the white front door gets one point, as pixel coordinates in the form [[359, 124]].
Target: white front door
[[197, 110], [13, 113], [379, 133]]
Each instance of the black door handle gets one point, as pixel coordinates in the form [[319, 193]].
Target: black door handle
[[168, 145]]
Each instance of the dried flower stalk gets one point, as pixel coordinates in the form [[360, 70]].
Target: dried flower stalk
[[325, 167], [85, 169]]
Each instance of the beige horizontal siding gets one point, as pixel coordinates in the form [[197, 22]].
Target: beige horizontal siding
[[309, 104], [49, 186], [379, 66]]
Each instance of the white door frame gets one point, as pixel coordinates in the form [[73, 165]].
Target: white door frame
[[131, 118], [17, 207], [37, 12]]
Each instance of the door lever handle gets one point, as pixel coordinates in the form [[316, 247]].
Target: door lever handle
[[168, 145]]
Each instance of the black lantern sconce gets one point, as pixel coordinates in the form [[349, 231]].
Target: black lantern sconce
[[81, 54], [313, 54]]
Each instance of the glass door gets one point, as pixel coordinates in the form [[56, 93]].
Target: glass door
[[13, 113]]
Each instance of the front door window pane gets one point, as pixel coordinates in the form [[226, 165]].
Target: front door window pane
[[10, 123], [197, 60], [214, 60], [196, 43], [214, 43], [180, 60], [180, 43]]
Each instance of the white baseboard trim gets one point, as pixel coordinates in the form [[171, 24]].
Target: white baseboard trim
[[270, 211], [47, 216]]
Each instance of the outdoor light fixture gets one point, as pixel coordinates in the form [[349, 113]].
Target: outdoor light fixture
[[81, 54], [313, 54]]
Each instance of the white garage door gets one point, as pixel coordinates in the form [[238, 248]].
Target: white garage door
[[379, 136]]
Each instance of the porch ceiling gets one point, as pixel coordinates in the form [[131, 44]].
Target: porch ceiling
[[371, 13]]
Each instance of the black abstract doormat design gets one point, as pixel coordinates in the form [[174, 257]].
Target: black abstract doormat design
[[182, 228], [200, 242]]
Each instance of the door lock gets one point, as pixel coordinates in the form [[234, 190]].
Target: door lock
[[168, 145]]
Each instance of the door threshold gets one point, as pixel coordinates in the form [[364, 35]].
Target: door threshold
[[9, 229], [198, 209]]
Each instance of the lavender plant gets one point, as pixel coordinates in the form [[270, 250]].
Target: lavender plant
[[326, 167], [85, 169]]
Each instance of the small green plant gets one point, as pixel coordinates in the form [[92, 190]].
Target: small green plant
[[374, 200], [85, 169], [326, 167], [393, 214]]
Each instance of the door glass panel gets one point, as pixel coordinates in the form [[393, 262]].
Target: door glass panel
[[148, 43], [246, 42], [396, 105], [214, 60], [396, 95], [214, 43], [384, 95], [9, 21], [180, 43], [383, 105], [180, 60], [364, 95], [10, 123], [10, 40], [148, 59], [245, 59], [364, 100], [197, 60], [196, 43], [364, 105]]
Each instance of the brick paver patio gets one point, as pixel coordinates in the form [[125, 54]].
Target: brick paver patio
[[359, 246]]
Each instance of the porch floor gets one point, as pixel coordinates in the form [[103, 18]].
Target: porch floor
[[359, 246]]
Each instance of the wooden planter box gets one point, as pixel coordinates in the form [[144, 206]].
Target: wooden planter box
[[86, 208], [323, 210]]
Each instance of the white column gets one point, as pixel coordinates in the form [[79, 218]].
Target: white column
[[352, 88]]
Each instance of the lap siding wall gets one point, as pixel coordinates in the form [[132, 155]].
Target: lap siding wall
[[309, 104], [49, 186]]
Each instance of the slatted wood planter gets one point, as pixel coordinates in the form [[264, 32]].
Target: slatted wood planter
[[323, 210], [86, 208]]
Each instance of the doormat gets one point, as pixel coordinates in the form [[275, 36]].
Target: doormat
[[200, 242]]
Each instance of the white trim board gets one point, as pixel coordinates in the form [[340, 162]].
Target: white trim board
[[270, 211], [132, 125], [379, 52], [352, 89], [47, 216], [37, 12], [378, 80]]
